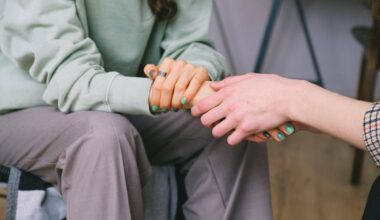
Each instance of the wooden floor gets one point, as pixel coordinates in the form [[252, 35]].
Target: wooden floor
[[310, 180], [2, 205]]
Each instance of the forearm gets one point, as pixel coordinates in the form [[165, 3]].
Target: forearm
[[330, 113]]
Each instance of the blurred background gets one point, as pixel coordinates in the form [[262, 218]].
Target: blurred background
[[310, 173], [329, 22]]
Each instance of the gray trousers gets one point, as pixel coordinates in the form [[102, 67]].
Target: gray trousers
[[100, 162]]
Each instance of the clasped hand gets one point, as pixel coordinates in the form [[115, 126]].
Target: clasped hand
[[227, 106]]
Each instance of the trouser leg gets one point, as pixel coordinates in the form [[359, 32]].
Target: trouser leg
[[97, 159], [221, 182]]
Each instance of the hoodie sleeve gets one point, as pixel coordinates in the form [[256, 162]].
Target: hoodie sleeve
[[45, 38], [186, 38]]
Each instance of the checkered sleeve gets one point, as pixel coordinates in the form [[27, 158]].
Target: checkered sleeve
[[371, 131]]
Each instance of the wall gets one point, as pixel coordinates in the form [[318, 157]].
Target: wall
[[330, 23]]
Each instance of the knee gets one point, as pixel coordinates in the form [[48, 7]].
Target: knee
[[107, 133]]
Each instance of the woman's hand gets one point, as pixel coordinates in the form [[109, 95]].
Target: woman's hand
[[176, 83], [247, 105], [278, 134], [205, 90]]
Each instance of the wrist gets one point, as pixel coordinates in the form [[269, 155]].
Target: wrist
[[301, 99]]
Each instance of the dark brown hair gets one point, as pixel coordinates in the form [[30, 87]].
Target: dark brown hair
[[163, 9]]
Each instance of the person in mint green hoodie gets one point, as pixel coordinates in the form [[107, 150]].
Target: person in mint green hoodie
[[77, 110]]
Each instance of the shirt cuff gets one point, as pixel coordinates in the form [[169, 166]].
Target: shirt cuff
[[130, 95], [371, 132]]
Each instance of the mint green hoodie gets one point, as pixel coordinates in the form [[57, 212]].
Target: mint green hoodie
[[88, 54]]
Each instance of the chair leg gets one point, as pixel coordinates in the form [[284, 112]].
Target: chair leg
[[366, 92], [357, 167]]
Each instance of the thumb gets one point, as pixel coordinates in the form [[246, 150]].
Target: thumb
[[151, 71]]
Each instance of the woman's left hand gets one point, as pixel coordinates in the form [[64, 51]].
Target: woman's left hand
[[179, 83]]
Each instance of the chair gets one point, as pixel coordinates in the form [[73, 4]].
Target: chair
[[43, 200], [369, 38]]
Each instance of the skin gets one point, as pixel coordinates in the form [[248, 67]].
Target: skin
[[186, 80], [247, 105], [182, 83]]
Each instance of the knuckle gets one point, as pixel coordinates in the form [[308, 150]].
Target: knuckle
[[232, 107], [202, 106], [181, 63], [246, 127], [196, 79], [189, 66], [156, 87], [237, 117], [180, 87], [201, 70], [166, 88], [168, 60]]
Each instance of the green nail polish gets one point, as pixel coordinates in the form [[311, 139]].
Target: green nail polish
[[289, 129], [165, 110], [281, 136], [151, 73], [154, 108], [175, 109], [266, 134], [184, 101]]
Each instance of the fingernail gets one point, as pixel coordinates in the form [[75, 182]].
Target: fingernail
[[289, 128], [281, 136], [165, 110], [151, 73], [266, 134], [154, 108], [184, 101], [175, 109]]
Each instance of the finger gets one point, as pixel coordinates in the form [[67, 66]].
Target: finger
[[181, 85], [168, 86], [288, 128], [277, 135], [256, 138], [207, 103], [155, 93], [151, 71], [262, 136], [230, 80], [200, 76], [224, 127], [266, 134], [236, 137], [214, 115]]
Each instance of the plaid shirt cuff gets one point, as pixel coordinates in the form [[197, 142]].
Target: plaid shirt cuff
[[371, 131]]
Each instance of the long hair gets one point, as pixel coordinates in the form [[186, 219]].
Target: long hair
[[163, 9]]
